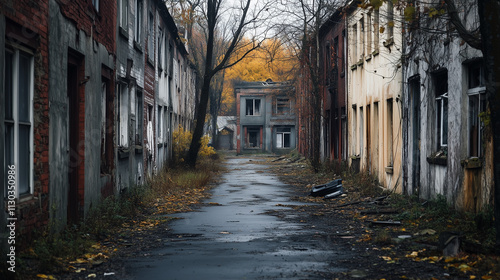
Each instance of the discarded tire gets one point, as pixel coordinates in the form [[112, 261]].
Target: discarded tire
[[330, 187], [335, 194]]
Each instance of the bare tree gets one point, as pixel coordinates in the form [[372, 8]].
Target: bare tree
[[488, 11], [227, 24]]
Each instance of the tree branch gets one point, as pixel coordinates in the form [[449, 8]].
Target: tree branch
[[472, 39]]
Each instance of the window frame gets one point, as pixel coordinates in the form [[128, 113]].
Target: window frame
[[15, 122], [283, 105], [476, 90], [253, 100], [123, 14], [440, 80], [390, 18], [139, 113], [95, 3], [281, 132], [123, 115], [139, 12]]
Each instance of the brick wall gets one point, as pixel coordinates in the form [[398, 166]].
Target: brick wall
[[27, 25], [101, 25]]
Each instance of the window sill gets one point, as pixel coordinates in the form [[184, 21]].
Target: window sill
[[389, 42], [472, 163], [138, 46], [123, 152], [150, 62], [25, 197], [389, 169], [138, 149], [438, 158], [123, 32]]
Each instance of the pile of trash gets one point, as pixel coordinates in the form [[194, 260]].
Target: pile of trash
[[329, 190]]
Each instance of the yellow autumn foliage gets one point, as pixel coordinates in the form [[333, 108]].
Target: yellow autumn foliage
[[271, 61], [182, 140]]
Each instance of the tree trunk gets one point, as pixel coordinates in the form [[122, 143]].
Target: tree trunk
[[194, 148], [488, 11]]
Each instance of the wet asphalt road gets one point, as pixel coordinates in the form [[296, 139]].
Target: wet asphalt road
[[240, 238]]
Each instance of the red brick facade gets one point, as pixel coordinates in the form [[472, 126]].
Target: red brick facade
[[101, 25], [27, 26]]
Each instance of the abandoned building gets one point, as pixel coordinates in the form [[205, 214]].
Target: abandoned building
[[94, 90], [333, 48], [374, 92], [266, 119], [447, 148]]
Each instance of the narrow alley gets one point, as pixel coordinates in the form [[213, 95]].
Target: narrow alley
[[237, 235]]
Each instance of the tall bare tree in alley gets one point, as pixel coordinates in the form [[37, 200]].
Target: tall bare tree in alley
[[215, 102], [301, 29], [489, 11], [222, 28]]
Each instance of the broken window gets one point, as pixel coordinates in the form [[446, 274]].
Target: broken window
[[441, 93], [477, 105], [283, 136], [282, 105], [18, 110], [253, 107]]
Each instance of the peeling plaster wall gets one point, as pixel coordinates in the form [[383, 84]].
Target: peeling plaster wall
[[374, 81]]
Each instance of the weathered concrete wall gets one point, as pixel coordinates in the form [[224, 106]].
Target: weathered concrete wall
[[63, 36]]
